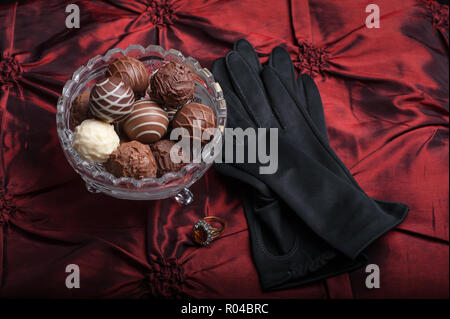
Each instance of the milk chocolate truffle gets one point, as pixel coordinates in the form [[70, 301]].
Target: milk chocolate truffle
[[161, 152], [147, 122], [95, 140], [132, 159], [111, 100], [195, 112], [171, 114], [172, 85], [80, 109], [131, 71]]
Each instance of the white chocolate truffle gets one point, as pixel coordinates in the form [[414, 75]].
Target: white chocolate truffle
[[95, 140]]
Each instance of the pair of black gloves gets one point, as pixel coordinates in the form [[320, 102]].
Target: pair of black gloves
[[310, 219]]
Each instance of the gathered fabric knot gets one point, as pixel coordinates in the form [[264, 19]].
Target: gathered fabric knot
[[165, 279], [160, 12], [10, 70], [6, 206], [439, 12], [311, 59]]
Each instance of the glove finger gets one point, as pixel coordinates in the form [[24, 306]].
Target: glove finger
[[237, 116], [248, 53], [249, 89], [282, 101], [304, 87], [314, 104], [220, 72], [301, 93], [280, 60]]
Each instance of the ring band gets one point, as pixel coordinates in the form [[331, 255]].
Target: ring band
[[205, 233]]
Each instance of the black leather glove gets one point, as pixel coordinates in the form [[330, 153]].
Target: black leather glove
[[296, 254]]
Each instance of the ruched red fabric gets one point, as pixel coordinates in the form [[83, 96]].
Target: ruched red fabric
[[386, 102]]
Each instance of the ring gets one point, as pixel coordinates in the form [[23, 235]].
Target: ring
[[205, 233]]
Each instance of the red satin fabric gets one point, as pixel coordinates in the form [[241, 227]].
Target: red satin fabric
[[385, 94]]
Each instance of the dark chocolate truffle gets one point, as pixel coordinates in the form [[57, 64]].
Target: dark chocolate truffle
[[161, 152], [132, 159], [111, 100], [80, 109], [194, 111], [132, 72], [172, 85], [147, 123]]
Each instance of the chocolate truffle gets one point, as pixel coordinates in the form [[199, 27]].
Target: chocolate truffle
[[172, 85], [161, 152], [147, 122], [171, 114], [131, 71], [194, 111], [132, 159], [80, 109], [95, 140], [111, 100]]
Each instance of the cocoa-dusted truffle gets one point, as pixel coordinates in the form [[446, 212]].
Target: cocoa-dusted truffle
[[111, 100], [131, 71], [172, 85], [132, 159], [80, 109], [195, 112], [147, 123], [161, 152]]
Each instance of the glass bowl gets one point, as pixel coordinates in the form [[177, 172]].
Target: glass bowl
[[97, 179]]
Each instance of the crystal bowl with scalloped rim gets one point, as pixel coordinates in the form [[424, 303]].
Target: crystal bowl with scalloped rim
[[98, 180]]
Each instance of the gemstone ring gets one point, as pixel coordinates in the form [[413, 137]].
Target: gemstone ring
[[205, 233]]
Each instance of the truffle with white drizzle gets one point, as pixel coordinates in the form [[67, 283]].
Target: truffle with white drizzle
[[111, 100], [147, 123]]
